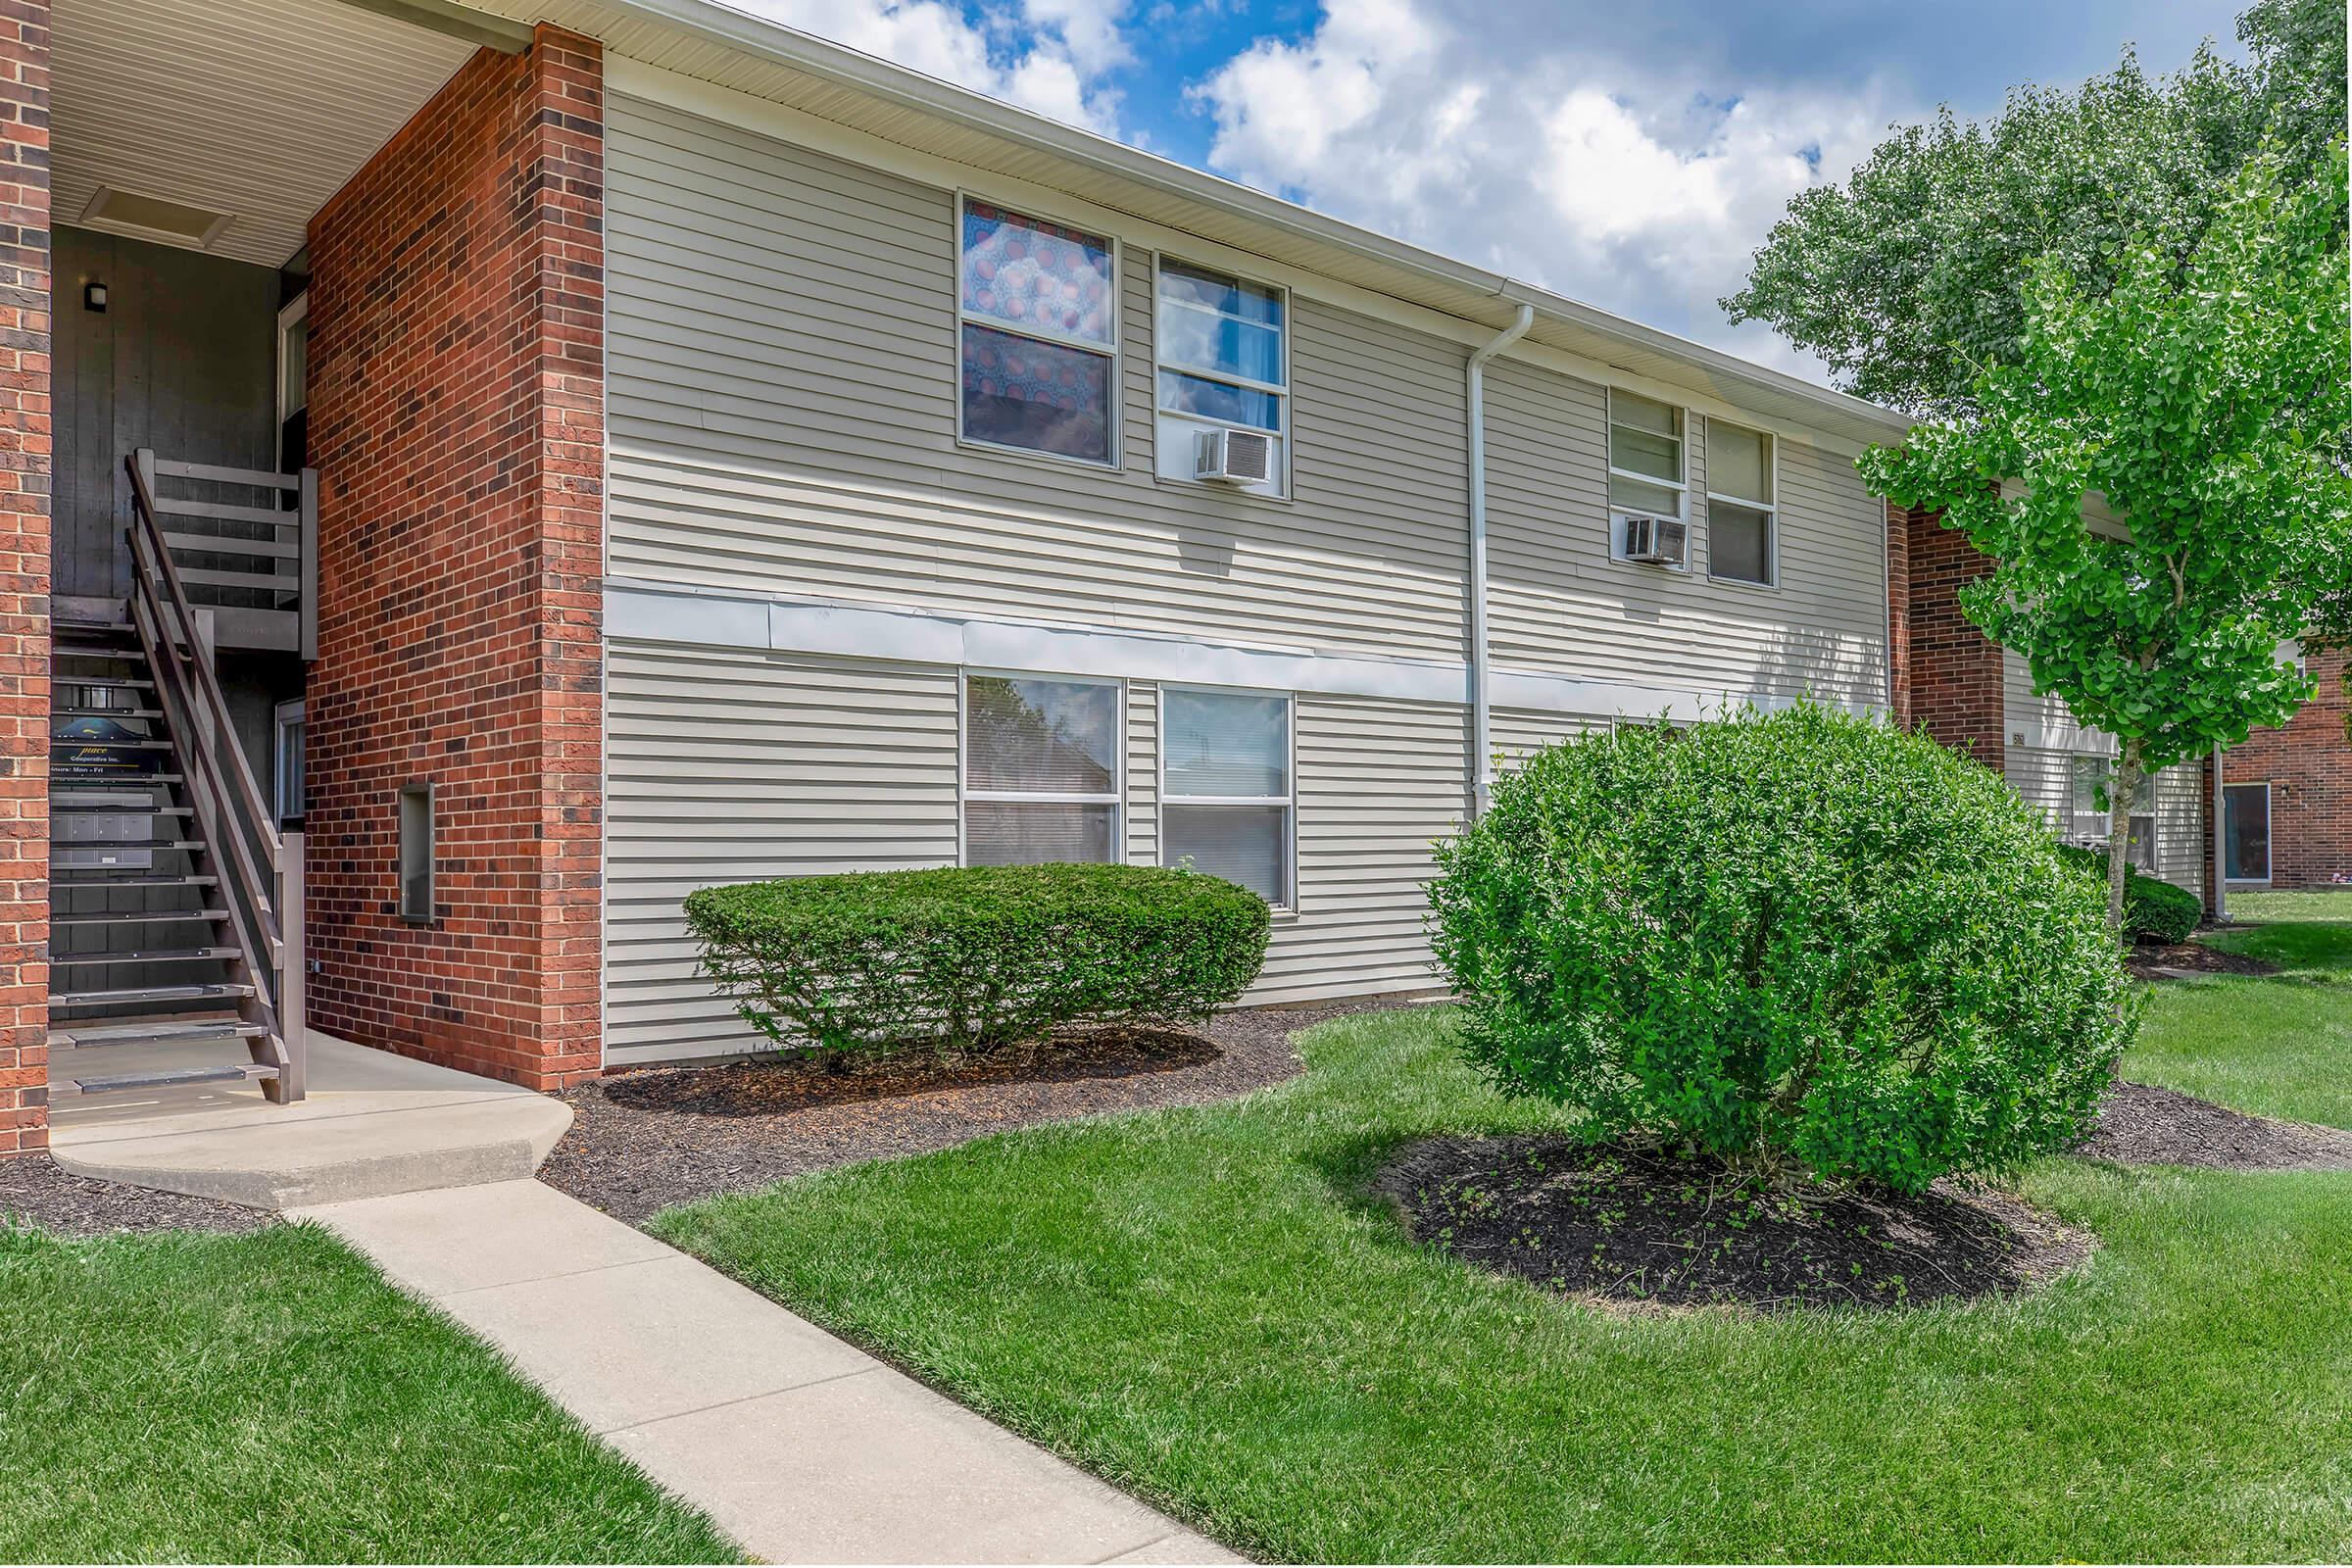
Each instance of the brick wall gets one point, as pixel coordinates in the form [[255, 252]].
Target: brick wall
[[24, 574], [456, 421], [1898, 613], [1954, 671], [2309, 768]]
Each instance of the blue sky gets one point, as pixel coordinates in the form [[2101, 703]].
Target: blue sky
[[1631, 155]]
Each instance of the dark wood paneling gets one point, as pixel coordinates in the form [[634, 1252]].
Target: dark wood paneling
[[183, 360]]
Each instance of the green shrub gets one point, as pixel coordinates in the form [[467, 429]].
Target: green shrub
[[2152, 907], [1789, 938], [977, 957]]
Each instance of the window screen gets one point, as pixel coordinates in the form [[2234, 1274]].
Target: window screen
[[1228, 807], [1041, 769]]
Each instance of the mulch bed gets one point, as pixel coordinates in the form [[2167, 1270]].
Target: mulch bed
[[2141, 1124], [33, 1189], [644, 1141], [2171, 960], [1642, 1227]]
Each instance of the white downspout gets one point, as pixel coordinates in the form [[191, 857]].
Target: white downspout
[[2220, 845], [1482, 719]]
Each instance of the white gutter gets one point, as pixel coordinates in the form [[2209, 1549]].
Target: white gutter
[[1481, 716]]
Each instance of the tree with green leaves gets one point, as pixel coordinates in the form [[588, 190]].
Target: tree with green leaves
[[1911, 278], [2199, 397]]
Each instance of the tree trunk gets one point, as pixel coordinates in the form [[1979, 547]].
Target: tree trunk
[[2119, 792]]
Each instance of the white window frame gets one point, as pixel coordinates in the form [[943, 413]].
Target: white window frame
[[1680, 485], [1286, 437], [2269, 855], [1770, 508], [2153, 815], [1115, 353], [1290, 801], [1116, 799], [287, 712], [296, 312]]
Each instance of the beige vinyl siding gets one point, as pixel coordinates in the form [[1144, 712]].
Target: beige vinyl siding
[[1518, 731], [2044, 779], [1559, 604], [1142, 772], [782, 368], [1379, 782], [730, 766], [2180, 833]]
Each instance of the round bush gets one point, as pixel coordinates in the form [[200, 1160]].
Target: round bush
[[2152, 907], [1796, 938], [975, 957]]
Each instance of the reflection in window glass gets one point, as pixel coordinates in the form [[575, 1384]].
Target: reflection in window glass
[[1040, 308], [1228, 807], [1021, 392]]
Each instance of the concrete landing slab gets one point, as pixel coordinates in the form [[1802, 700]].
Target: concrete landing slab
[[803, 1448], [373, 1124]]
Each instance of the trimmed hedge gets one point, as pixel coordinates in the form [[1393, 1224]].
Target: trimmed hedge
[[2152, 907], [1801, 940], [976, 958]]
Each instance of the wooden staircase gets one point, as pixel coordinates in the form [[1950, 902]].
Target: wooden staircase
[[167, 875]]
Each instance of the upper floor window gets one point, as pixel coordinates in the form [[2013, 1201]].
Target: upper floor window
[[1646, 455], [1223, 348], [1041, 769], [1743, 520], [1038, 322]]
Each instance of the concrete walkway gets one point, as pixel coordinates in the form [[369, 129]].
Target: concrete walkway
[[801, 1447], [375, 1123]]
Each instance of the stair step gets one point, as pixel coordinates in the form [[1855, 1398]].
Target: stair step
[[111, 808], [151, 1032], [111, 684], [155, 955], [140, 745], [139, 917], [83, 711], [112, 999], [188, 846], [57, 872], [227, 1072]]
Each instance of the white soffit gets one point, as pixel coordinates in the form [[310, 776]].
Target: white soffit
[[256, 110], [718, 43]]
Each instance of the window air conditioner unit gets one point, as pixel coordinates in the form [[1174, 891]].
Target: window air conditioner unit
[[1232, 457], [1657, 541]]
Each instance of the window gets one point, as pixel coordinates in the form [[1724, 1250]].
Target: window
[[417, 854], [1645, 456], [1041, 769], [1226, 806], [1039, 323], [1224, 354], [2246, 832], [1741, 512], [289, 761], [2088, 809]]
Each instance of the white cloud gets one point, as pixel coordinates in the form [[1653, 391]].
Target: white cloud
[[1637, 186], [1049, 56]]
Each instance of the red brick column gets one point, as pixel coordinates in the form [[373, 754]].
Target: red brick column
[[1955, 671], [24, 576], [1898, 613], [456, 421]]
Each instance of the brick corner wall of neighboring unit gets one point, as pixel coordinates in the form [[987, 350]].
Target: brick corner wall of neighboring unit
[[2308, 764], [456, 421], [1954, 671], [24, 475]]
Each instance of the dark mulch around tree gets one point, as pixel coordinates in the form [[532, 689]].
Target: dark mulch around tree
[[2141, 1124], [643, 1142], [1648, 1228], [34, 1190], [2173, 960]]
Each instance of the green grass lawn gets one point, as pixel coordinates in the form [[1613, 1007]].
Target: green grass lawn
[[269, 1398], [2327, 905], [2279, 1046], [1195, 1304]]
